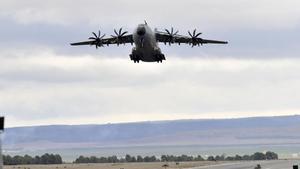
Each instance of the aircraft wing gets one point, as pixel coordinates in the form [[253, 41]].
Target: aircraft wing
[[171, 37], [99, 41], [90, 42], [189, 40]]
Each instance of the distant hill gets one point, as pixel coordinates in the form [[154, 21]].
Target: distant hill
[[256, 130]]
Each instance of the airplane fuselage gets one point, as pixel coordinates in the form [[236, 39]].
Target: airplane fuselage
[[146, 48]]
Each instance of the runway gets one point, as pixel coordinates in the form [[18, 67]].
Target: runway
[[276, 164]]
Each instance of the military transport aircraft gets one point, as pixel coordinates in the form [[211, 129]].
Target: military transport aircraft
[[146, 41]]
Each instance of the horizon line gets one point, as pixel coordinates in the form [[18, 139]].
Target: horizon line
[[153, 121]]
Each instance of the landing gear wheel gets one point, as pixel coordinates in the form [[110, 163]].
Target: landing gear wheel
[[135, 58], [160, 58]]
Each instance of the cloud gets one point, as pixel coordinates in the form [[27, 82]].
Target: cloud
[[47, 88], [263, 29], [243, 43], [265, 14], [43, 80]]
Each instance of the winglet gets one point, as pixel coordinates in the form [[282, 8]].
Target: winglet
[[145, 22]]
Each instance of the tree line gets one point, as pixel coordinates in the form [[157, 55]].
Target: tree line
[[26, 159], [115, 159], [171, 158], [56, 158], [256, 156]]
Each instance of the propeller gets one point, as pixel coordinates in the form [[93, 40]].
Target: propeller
[[171, 35], [98, 39], [194, 38], [118, 35]]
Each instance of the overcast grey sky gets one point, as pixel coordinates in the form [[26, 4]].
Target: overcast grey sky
[[43, 80]]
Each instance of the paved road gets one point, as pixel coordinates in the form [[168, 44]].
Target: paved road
[[276, 164]]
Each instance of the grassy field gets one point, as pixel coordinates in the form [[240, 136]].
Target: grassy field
[[152, 165]]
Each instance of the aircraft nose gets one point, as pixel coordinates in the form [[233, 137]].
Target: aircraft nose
[[141, 31]]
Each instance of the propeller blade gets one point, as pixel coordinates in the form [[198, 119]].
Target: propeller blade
[[198, 34], [115, 32], [176, 32], [120, 31], [190, 33], [94, 34], [167, 31], [124, 33], [99, 33], [102, 36], [194, 33], [92, 38]]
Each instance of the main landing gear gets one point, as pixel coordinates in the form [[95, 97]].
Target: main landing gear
[[159, 58], [135, 58]]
